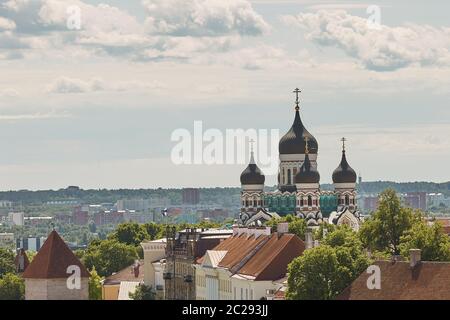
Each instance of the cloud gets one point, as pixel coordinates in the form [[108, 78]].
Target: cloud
[[33, 116], [203, 18], [64, 85], [6, 24], [387, 49], [9, 92]]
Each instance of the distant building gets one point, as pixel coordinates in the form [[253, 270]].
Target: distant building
[[416, 200], [30, 244], [21, 261], [182, 251], [247, 266], [35, 221], [7, 240], [370, 203], [109, 217], [134, 204], [80, 216], [191, 196], [437, 200], [48, 275], [402, 280], [119, 285], [16, 218]]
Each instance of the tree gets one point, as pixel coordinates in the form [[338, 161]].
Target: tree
[[153, 230], [297, 225], [432, 240], [323, 272], [95, 286], [108, 256], [143, 292], [130, 233], [6, 262], [387, 225], [12, 287]]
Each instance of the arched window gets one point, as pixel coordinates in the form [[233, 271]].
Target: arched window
[[246, 203], [255, 202], [309, 201], [284, 177], [347, 200], [289, 176]]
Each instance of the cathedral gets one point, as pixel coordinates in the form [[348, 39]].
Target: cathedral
[[298, 189]]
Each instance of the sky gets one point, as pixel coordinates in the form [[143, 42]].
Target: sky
[[95, 104]]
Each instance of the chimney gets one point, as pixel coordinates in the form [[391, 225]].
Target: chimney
[[414, 257], [309, 240], [282, 227]]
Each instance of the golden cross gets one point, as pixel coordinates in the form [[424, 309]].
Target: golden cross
[[296, 91], [343, 143]]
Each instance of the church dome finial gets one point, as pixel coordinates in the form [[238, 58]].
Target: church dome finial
[[344, 173], [293, 142], [252, 174]]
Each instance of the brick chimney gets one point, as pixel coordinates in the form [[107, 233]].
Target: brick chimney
[[414, 257]]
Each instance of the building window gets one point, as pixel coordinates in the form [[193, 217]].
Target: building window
[[251, 294], [347, 200], [309, 201], [234, 293], [289, 176], [242, 293], [246, 294]]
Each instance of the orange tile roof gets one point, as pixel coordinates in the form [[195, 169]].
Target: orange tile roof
[[426, 281], [265, 257], [53, 259]]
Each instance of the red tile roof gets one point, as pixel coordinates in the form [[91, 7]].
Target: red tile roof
[[265, 257], [426, 281], [127, 274], [53, 259]]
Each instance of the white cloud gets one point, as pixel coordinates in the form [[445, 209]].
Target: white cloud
[[203, 18], [73, 85], [6, 24], [387, 49], [9, 92]]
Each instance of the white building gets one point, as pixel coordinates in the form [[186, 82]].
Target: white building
[[16, 218], [154, 263], [247, 265]]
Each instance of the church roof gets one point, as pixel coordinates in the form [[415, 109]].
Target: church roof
[[293, 142], [344, 173], [307, 173], [252, 174], [52, 260]]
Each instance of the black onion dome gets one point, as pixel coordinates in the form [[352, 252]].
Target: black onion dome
[[293, 142], [344, 173], [252, 174], [307, 174]]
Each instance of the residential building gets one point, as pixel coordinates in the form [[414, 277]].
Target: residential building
[[119, 285], [182, 251], [80, 215], [154, 264], [7, 240], [142, 205], [56, 273], [16, 218], [191, 196], [402, 280], [249, 265], [416, 200], [109, 217], [30, 243]]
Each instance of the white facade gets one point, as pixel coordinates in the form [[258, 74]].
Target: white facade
[[217, 283], [16, 218], [154, 253]]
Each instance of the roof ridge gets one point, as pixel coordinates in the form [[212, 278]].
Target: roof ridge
[[249, 255]]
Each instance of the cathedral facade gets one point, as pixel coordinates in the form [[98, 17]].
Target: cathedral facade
[[299, 189]]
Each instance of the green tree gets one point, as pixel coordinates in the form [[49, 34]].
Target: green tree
[[12, 287], [143, 292], [297, 225], [6, 262], [153, 230], [95, 285], [387, 225], [323, 272], [432, 240], [108, 256], [130, 233]]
